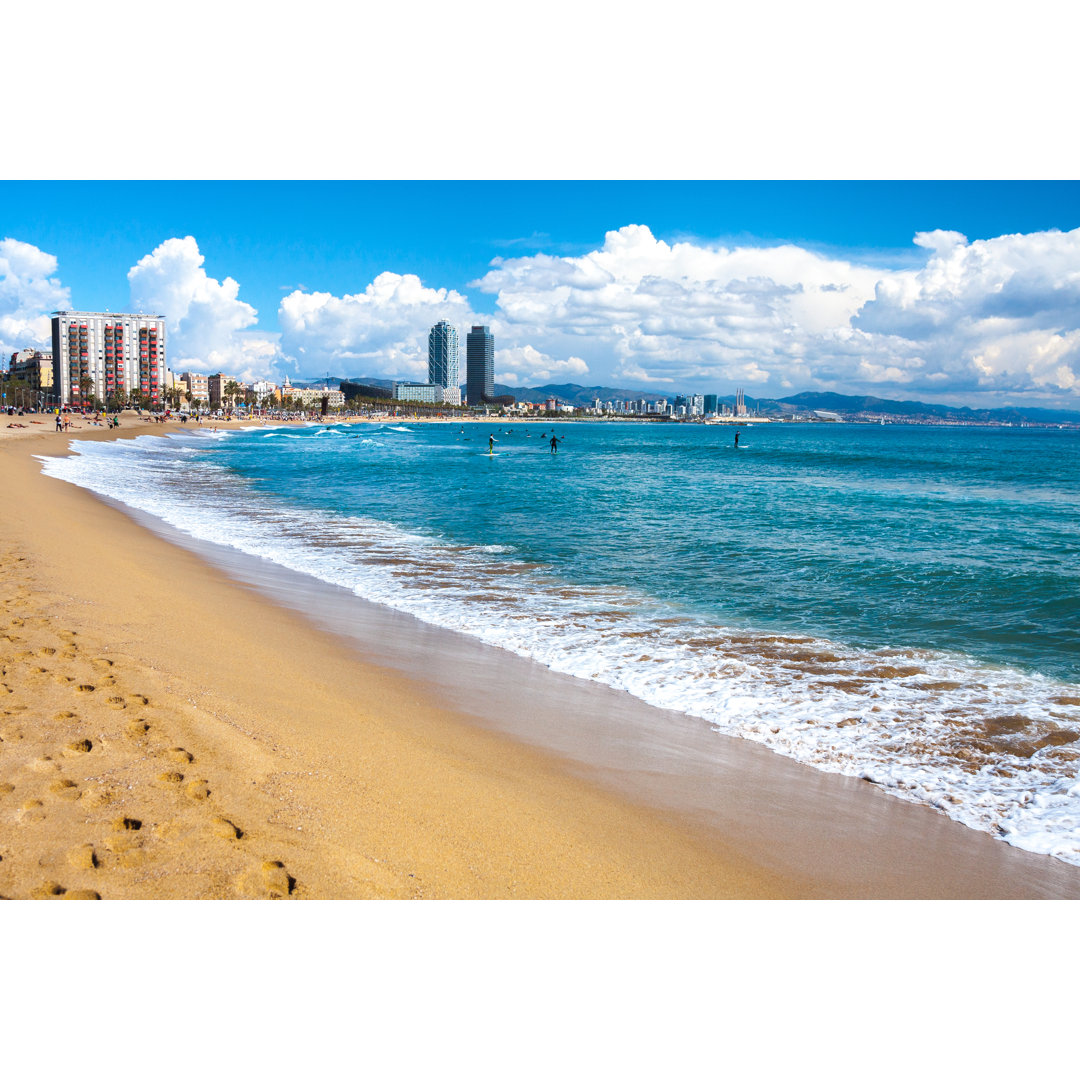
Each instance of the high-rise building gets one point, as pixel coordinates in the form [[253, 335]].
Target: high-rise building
[[710, 404], [442, 355], [479, 365], [104, 355]]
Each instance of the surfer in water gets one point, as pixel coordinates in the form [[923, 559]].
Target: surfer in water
[[555, 443], [736, 438], [491, 444]]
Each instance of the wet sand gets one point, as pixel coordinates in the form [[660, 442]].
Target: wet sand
[[179, 722]]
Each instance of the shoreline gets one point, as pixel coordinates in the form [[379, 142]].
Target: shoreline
[[353, 766]]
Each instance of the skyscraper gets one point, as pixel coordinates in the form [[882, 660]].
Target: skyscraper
[[442, 355], [479, 365]]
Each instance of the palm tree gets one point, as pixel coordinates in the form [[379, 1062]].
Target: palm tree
[[232, 388], [86, 384]]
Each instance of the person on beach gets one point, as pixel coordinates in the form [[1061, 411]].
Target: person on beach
[[59, 423]]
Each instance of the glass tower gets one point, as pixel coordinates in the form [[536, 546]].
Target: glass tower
[[479, 365], [442, 355]]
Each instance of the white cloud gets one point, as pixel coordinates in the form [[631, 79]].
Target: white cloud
[[28, 295], [684, 311], [207, 324], [381, 331], [524, 365], [998, 315]]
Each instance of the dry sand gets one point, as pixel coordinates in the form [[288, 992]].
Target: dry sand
[[169, 733]]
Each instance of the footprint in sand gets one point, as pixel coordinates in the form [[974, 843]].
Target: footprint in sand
[[53, 890], [225, 828], [97, 796], [44, 765], [85, 688], [65, 789], [117, 702], [171, 777], [126, 824], [178, 753], [276, 879], [47, 890], [64, 714], [101, 663], [79, 746], [31, 810], [45, 650], [6, 788], [83, 857], [197, 789], [137, 728]]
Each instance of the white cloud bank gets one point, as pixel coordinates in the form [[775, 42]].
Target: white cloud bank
[[207, 324], [985, 319], [998, 315], [525, 366], [28, 295]]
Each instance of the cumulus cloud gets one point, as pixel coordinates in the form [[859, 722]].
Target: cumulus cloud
[[207, 323], [381, 331], [997, 315], [684, 311], [28, 294], [524, 365]]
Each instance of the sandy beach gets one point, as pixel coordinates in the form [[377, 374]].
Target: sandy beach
[[167, 731]]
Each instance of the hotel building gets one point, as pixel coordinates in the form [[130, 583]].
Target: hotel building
[[479, 365], [197, 385], [116, 354], [34, 366]]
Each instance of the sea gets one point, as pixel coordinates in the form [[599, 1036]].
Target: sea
[[897, 603]]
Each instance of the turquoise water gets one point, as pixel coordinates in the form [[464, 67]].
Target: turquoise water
[[948, 538], [898, 603]]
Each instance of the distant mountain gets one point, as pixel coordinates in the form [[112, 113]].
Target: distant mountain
[[847, 405]]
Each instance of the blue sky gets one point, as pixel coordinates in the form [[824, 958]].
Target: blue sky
[[336, 236], [952, 291]]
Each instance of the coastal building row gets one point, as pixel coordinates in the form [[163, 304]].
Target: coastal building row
[[102, 356], [224, 391]]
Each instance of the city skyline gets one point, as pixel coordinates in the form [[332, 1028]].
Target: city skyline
[[960, 293]]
